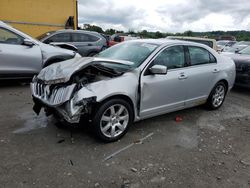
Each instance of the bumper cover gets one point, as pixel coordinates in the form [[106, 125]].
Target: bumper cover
[[60, 102]]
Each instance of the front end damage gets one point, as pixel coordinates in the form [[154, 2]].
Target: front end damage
[[59, 100], [68, 92]]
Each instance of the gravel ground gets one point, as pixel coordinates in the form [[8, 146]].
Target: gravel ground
[[205, 149]]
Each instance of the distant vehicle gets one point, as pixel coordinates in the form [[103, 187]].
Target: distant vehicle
[[242, 62], [88, 43], [117, 38], [236, 47], [209, 42], [222, 44], [21, 56], [226, 37], [132, 81]]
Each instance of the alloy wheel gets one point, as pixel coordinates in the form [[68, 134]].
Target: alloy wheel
[[218, 96], [114, 120]]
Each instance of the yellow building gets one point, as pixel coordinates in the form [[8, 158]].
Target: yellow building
[[36, 17]]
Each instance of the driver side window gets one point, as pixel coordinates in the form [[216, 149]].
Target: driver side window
[[8, 37], [172, 57]]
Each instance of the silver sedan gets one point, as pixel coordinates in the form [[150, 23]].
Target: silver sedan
[[21, 56], [133, 81]]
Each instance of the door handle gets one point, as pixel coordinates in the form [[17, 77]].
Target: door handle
[[182, 76], [216, 70]]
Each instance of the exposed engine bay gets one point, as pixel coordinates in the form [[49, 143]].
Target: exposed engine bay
[[93, 73]]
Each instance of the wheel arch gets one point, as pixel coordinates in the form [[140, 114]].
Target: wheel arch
[[56, 59], [119, 96], [225, 82]]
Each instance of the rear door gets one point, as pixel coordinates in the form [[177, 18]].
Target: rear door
[[86, 43], [16, 59], [201, 75]]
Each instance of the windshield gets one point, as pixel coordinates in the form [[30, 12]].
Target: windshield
[[135, 52], [222, 43], [245, 51], [244, 43], [235, 48]]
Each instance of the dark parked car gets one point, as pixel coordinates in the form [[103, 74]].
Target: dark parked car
[[88, 43], [242, 62]]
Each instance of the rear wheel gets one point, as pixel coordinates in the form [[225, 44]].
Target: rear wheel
[[217, 96], [113, 119]]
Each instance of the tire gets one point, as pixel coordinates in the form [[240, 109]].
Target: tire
[[217, 96], [112, 119]]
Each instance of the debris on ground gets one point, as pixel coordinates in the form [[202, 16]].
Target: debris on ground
[[71, 162], [61, 141], [134, 170], [178, 119]]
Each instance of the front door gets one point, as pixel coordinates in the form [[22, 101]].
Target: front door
[[164, 93]]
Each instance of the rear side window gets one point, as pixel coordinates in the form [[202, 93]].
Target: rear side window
[[199, 56], [93, 38], [61, 37], [79, 37]]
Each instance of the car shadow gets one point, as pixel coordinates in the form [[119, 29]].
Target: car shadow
[[14, 83], [242, 90], [84, 129]]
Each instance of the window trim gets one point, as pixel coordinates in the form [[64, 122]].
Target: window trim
[[190, 63], [12, 33], [49, 37], [88, 34]]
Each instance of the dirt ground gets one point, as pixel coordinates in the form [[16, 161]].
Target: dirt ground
[[205, 149]]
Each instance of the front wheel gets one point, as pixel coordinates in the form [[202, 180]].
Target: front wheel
[[217, 96], [113, 119]]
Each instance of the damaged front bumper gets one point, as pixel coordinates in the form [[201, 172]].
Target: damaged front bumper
[[60, 100]]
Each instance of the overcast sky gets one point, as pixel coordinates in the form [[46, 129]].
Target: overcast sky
[[166, 15]]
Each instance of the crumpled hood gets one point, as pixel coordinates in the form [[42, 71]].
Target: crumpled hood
[[62, 72]]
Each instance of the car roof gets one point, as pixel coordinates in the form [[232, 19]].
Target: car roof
[[165, 42], [76, 31], [191, 38]]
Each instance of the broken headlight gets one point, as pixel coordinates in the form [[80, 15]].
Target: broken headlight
[[55, 81]]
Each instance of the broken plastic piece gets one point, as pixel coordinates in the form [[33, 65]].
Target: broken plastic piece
[[178, 119]]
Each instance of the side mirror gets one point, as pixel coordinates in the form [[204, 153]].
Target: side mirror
[[28, 42], [158, 69]]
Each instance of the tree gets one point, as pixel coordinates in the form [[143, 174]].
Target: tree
[[131, 32], [143, 34], [158, 34], [93, 28], [188, 33]]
